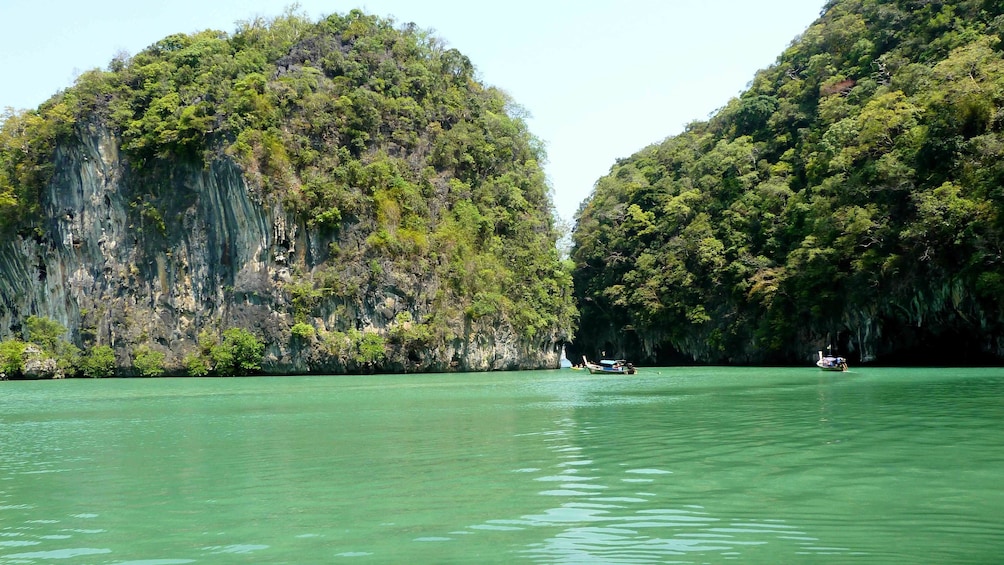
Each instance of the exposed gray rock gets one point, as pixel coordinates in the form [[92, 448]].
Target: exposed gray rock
[[124, 264], [37, 366]]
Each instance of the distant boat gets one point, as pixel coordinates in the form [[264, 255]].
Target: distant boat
[[609, 367], [831, 363], [564, 362]]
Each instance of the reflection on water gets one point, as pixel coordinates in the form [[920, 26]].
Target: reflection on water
[[676, 465], [601, 517]]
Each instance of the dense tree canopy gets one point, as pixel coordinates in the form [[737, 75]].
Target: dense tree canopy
[[852, 197]]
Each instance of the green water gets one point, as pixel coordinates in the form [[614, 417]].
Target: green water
[[673, 465]]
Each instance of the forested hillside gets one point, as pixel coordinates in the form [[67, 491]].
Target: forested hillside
[[852, 197], [344, 189]]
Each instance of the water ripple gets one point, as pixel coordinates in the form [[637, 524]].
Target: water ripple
[[59, 553]]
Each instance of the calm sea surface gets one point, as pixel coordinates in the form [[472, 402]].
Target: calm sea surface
[[673, 465]]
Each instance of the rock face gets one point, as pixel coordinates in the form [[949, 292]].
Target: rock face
[[120, 267], [38, 366], [345, 190]]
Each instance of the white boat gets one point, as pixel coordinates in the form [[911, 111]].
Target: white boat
[[831, 363], [609, 367]]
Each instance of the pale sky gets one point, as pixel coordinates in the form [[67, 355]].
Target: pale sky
[[601, 79]]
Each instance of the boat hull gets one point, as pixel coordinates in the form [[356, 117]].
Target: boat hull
[[602, 371]]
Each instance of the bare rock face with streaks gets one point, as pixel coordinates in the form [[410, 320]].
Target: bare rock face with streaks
[[121, 268]]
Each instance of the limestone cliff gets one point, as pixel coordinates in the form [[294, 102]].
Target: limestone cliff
[[390, 245], [222, 258]]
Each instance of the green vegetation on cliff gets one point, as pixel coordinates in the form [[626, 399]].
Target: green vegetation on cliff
[[418, 185], [851, 196], [47, 354]]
